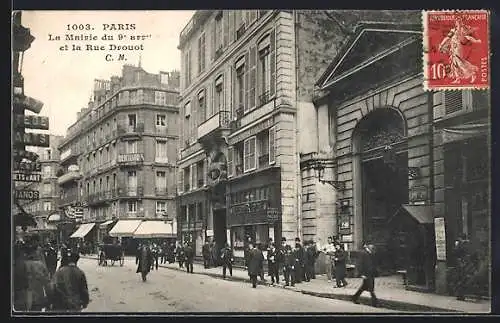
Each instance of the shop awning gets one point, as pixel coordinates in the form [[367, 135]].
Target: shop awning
[[424, 214], [83, 230], [105, 224], [156, 229], [125, 228], [465, 131]]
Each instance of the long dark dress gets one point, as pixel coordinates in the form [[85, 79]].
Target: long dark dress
[[340, 267], [145, 262]]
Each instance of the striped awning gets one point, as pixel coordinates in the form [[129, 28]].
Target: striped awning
[[125, 228], [83, 230]]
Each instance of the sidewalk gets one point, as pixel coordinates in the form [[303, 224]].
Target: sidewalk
[[390, 292]]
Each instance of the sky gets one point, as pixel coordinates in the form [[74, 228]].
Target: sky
[[63, 79]]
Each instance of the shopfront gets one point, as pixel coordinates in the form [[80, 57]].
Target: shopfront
[[254, 205], [192, 218]]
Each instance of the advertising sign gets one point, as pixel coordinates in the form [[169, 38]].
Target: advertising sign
[[27, 177], [28, 166], [440, 231], [26, 195], [31, 122], [31, 139]]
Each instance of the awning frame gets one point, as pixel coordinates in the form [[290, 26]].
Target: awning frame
[[83, 230], [132, 226]]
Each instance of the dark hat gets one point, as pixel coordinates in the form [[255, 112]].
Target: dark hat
[[297, 239], [283, 239], [69, 255]]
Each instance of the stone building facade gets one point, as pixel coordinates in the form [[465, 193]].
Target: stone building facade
[[124, 145]]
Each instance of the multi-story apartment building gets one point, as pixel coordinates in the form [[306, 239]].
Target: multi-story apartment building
[[48, 189], [246, 100], [124, 144]]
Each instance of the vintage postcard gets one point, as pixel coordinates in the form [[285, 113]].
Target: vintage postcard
[[208, 161]]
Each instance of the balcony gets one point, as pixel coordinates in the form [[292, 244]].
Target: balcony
[[135, 130], [159, 130], [130, 192], [134, 159], [212, 128], [70, 154], [161, 191], [264, 161], [69, 176]]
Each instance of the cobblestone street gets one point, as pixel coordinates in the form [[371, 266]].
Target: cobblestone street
[[120, 289]]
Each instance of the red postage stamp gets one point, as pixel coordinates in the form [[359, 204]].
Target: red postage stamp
[[456, 49]]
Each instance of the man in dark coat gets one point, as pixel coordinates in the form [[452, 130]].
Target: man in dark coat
[[300, 261], [189, 253], [255, 263], [138, 253], [367, 270], [316, 253], [227, 260], [273, 264], [310, 257], [145, 262], [181, 256], [289, 265], [69, 291], [340, 265], [205, 252], [51, 259]]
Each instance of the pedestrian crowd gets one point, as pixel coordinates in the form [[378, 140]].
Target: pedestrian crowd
[[39, 285]]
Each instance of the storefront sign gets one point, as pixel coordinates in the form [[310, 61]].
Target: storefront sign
[[130, 158], [347, 238], [20, 154], [26, 195], [31, 139], [273, 214], [419, 193], [440, 233], [28, 166], [31, 122], [27, 177]]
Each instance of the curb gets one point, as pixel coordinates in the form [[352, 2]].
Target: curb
[[365, 300]]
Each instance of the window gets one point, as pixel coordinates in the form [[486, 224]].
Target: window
[[161, 208], [200, 175], [161, 151], [161, 180], [264, 74], [47, 188], [187, 109], [132, 180], [193, 176], [93, 137], [161, 120], [202, 106], [219, 95], [240, 87], [272, 145], [201, 53], [249, 155], [132, 206], [132, 122], [164, 78], [160, 98], [47, 154], [218, 32], [47, 171], [230, 163], [131, 147], [47, 206], [187, 67], [263, 148]]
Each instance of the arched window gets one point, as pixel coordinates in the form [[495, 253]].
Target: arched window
[[218, 95], [266, 68]]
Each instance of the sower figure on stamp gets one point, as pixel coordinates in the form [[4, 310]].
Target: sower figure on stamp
[[367, 270], [227, 260]]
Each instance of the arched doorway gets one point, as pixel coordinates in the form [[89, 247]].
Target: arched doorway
[[381, 180]]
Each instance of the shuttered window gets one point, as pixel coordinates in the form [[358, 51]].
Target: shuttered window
[[230, 162], [453, 101], [252, 78], [272, 145], [201, 53], [249, 155]]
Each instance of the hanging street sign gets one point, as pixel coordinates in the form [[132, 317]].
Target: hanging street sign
[[26, 177], [31, 122], [31, 139], [26, 195], [20, 154]]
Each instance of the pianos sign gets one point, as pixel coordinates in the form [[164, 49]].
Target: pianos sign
[[31, 139], [26, 195]]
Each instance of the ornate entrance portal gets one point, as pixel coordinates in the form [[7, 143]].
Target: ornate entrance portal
[[380, 144]]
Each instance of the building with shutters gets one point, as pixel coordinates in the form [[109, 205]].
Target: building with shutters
[[246, 80], [118, 158], [48, 189], [414, 164]]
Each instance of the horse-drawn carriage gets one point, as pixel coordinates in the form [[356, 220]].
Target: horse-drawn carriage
[[113, 252]]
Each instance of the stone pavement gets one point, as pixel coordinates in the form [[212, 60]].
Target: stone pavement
[[390, 291]]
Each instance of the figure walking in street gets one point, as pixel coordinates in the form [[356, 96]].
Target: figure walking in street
[[329, 251], [37, 277], [189, 253], [227, 260], [289, 271], [181, 256], [138, 253], [156, 253], [69, 291], [340, 265], [205, 252], [367, 270], [273, 262], [255, 263], [261, 272], [51, 259], [145, 262], [310, 256], [299, 261]]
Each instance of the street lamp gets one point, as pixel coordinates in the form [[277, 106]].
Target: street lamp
[[319, 170]]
